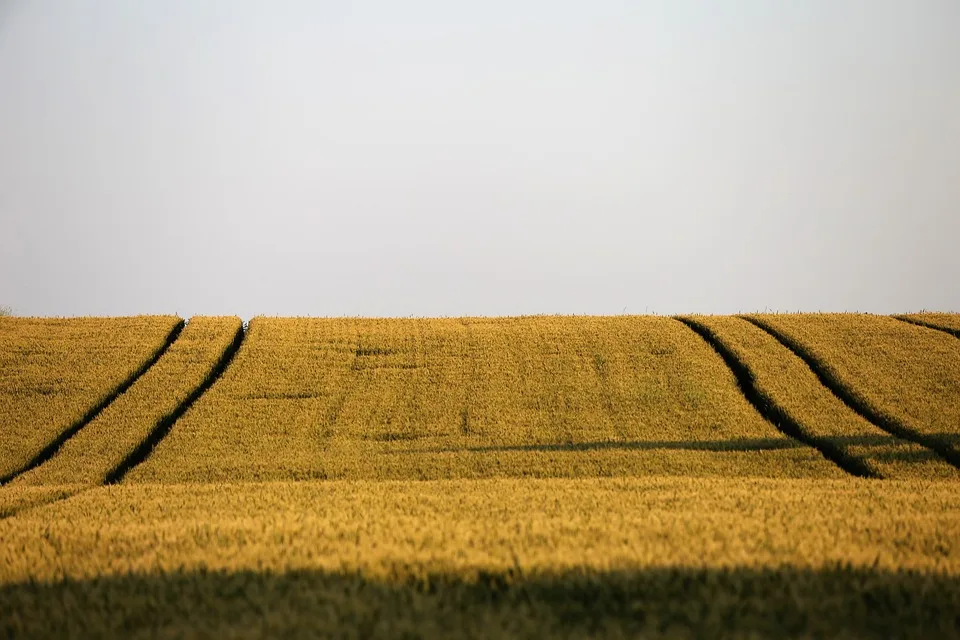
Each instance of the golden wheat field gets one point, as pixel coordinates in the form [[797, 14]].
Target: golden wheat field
[[570, 476]]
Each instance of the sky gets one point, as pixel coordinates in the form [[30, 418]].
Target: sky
[[436, 158]]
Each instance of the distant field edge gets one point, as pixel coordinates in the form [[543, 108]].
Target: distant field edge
[[852, 400], [54, 445], [772, 411], [165, 424], [914, 320]]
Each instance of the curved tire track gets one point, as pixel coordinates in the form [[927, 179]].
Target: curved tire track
[[828, 379], [51, 449], [773, 412], [163, 427], [11, 513], [927, 325]]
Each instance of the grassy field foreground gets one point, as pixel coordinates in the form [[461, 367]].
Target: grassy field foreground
[[489, 557]]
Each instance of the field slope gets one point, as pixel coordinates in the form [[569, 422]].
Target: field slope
[[102, 446], [480, 477], [825, 419], [430, 399], [57, 374], [947, 322], [904, 378]]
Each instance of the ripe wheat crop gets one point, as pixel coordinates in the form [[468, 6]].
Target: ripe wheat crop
[[447, 477], [791, 384], [949, 322], [908, 376], [422, 399], [511, 557], [103, 444], [53, 371], [15, 498], [384, 528]]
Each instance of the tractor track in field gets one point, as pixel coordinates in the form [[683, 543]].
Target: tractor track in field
[[772, 411], [859, 405], [44, 503], [54, 445], [928, 325], [165, 424]]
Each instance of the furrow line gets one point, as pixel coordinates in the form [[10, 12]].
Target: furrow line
[[772, 411], [165, 424], [928, 325], [54, 498], [851, 399], [54, 446]]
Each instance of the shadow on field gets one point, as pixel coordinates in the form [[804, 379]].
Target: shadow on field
[[729, 444], [733, 444], [908, 456], [691, 602], [952, 439]]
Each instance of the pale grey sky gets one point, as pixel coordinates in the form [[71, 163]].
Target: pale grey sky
[[483, 158]]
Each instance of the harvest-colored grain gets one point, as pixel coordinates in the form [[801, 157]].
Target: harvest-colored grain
[[792, 385], [430, 522], [906, 374], [54, 371], [949, 322], [16, 498], [422, 399], [385, 527], [497, 556], [103, 444]]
